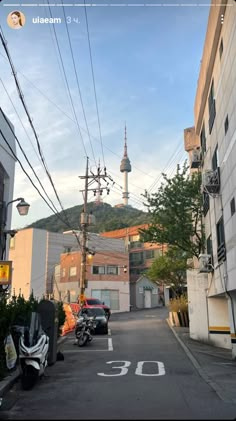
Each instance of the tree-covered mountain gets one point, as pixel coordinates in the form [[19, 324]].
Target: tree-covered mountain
[[108, 218]]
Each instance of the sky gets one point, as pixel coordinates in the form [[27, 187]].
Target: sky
[[141, 70]]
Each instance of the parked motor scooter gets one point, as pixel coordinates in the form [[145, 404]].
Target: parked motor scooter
[[33, 352], [84, 328]]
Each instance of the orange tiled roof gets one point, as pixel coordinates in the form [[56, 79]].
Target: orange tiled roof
[[123, 232]]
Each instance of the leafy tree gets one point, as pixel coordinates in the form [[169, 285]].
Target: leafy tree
[[176, 213], [170, 269]]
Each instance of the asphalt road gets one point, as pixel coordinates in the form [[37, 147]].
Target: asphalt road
[[138, 371]]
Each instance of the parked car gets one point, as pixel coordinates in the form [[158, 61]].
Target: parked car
[[101, 320], [95, 302]]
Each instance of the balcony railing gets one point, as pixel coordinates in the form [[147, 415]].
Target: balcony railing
[[221, 252]]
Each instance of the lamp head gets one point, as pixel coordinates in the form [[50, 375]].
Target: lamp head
[[23, 207]]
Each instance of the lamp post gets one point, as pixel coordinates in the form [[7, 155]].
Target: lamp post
[[23, 208]]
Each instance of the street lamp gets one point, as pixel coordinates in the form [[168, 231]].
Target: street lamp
[[23, 208]]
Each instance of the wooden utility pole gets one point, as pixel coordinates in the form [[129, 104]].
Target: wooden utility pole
[[87, 219], [84, 223]]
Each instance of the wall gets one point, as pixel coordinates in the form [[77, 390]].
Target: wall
[[197, 284], [8, 162], [21, 255]]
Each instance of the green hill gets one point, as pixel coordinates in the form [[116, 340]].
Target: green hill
[[107, 217]]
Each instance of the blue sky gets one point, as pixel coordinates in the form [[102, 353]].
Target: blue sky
[[146, 62]]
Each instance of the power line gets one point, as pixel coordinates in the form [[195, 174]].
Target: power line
[[28, 115], [67, 84], [94, 86], [77, 81]]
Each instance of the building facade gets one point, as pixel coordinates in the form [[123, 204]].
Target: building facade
[[34, 254], [141, 255], [7, 173], [212, 287], [107, 273]]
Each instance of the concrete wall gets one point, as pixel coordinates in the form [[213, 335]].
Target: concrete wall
[[197, 284]]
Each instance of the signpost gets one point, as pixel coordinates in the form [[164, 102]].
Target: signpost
[[5, 272]]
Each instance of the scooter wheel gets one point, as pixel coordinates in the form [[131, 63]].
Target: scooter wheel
[[29, 377], [82, 340]]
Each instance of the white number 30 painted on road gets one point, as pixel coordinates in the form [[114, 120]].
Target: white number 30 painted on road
[[139, 369]]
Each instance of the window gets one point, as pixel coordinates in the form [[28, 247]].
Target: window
[[203, 139], [72, 271], [220, 240], [226, 124], [211, 107], [206, 203], [221, 47], [140, 290], [149, 254], [232, 206], [63, 272], [112, 270], [109, 296], [136, 258], [98, 270]]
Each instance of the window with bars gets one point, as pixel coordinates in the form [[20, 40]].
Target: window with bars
[[98, 270], [220, 235], [112, 270]]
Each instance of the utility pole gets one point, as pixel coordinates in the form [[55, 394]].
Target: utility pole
[[88, 219], [84, 223]]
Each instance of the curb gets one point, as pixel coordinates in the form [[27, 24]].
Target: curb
[[201, 372]]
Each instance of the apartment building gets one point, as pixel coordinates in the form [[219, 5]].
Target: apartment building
[[212, 150], [35, 253], [7, 173], [107, 273]]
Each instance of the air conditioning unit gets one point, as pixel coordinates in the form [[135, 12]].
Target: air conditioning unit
[[210, 181], [205, 265], [196, 158]]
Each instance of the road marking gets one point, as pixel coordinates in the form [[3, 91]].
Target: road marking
[[139, 369], [71, 351], [123, 366], [110, 346]]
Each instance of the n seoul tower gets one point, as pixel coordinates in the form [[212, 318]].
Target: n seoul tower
[[125, 167]]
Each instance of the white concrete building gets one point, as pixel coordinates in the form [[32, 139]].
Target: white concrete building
[[35, 253], [212, 291], [7, 173]]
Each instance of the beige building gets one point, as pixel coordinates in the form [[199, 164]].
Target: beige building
[[212, 150], [34, 254]]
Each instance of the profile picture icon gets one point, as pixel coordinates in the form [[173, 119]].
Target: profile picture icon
[[16, 19]]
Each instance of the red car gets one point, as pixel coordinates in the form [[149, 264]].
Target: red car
[[95, 302]]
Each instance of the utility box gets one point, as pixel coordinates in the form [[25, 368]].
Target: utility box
[[48, 311]]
